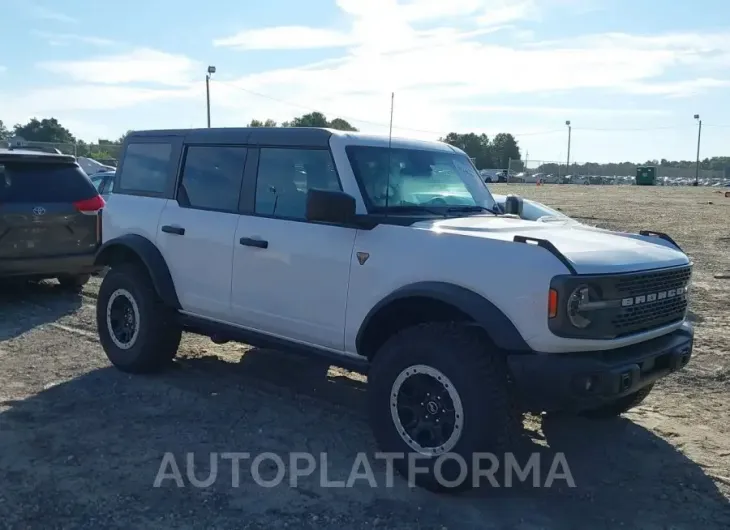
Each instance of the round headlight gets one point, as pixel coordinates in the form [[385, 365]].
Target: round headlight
[[580, 295]]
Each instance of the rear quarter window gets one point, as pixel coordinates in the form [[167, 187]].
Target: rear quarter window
[[34, 182], [146, 168]]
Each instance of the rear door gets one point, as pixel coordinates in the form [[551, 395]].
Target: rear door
[[197, 227], [47, 209]]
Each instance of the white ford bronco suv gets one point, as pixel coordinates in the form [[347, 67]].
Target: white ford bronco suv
[[386, 256]]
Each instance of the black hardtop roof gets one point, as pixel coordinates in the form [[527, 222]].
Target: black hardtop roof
[[270, 136], [29, 155]]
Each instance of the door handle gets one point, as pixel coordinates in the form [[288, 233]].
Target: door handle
[[177, 230], [250, 242]]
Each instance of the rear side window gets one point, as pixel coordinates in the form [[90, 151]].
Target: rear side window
[[146, 167], [211, 178], [24, 182]]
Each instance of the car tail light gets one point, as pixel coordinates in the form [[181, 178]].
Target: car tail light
[[90, 206]]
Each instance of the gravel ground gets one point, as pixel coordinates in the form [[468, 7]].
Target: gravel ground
[[81, 443]]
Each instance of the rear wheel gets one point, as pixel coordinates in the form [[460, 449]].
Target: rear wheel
[[139, 333], [74, 283], [438, 395]]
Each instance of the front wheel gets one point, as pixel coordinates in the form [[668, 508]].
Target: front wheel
[[138, 332], [438, 396]]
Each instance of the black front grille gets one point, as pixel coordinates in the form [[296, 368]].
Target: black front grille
[[651, 300], [650, 282]]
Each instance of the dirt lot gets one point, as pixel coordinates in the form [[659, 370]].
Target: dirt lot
[[81, 443]]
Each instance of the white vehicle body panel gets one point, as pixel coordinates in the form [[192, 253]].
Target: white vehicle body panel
[[200, 261], [297, 287]]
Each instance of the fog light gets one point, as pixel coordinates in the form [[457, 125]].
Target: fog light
[[586, 383], [625, 381]]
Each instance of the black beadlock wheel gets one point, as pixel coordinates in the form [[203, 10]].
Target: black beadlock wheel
[[620, 406], [138, 332], [440, 392]]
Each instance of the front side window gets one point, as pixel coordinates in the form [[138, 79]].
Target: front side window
[[146, 167], [211, 177], [409, 179], [285, 176]]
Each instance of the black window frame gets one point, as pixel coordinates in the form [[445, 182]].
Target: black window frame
[[181, 173], [173, 169], [251, 176]]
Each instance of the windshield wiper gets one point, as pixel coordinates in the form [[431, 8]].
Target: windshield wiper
[[412, 208], [467, 209]]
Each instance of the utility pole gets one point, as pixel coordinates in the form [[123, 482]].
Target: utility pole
[[567, 167], [699, 136], [211, 71]]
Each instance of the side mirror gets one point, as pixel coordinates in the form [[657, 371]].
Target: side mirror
[[513, 205], [330, 206]]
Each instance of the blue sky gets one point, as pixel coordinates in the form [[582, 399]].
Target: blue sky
[[629, 75]]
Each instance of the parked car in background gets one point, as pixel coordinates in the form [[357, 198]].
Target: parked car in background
[[93, 167], [104, 183], [49, 218]]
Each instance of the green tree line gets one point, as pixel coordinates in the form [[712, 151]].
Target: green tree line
[[716, 163], [486, 153]]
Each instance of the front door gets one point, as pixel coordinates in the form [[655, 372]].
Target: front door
[[290, 277]]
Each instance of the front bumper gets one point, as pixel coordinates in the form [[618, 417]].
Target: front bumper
[[581, 381]]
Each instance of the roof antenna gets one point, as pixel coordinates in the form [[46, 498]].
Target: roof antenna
[[390, 140]]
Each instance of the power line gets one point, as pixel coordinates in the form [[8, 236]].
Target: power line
[[440, 133], [352, 118]]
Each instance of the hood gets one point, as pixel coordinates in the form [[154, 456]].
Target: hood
[[590, 250]]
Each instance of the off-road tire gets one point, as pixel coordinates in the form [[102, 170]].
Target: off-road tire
[[620, 406], [74, 283], [159, 329], [480, 376]]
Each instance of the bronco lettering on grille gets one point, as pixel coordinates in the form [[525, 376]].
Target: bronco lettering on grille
[[653, 297]]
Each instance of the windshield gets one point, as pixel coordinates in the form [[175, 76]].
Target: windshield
[[418, 178]]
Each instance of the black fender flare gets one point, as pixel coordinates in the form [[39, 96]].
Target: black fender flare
[[150, 256], [485, 314]]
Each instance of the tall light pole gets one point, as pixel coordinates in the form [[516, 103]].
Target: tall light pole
[[567, 167], [211, 71], [699, 136]]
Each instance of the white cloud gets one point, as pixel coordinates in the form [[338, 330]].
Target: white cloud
[[686, 88], [87, 97], [285, 38], [139, 66], [46, 13], [436, 56], [557, 111], [383, 25], [64, 39], [504, 12]]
